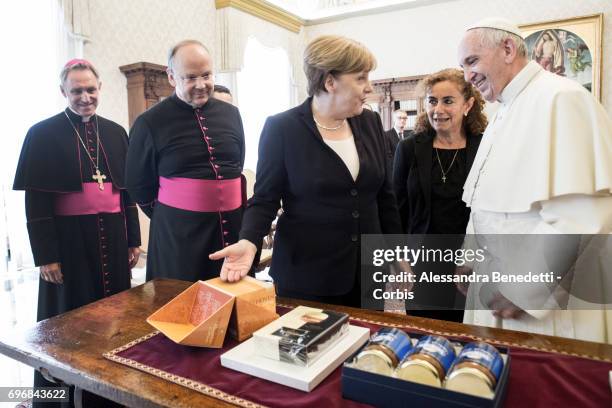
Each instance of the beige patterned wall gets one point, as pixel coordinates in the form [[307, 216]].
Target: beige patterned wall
[[425, 39], [128, 31]]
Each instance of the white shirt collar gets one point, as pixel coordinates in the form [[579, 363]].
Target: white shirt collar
[[519, 82]]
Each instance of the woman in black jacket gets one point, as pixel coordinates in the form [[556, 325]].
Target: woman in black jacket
[[429, 171], [325, 161]]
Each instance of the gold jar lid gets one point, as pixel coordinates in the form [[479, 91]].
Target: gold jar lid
[[470, 380], [491, 380], [387, 351], [419, 371], [375, 361]]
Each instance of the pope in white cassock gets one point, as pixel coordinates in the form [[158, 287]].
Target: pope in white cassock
[[544, 167]]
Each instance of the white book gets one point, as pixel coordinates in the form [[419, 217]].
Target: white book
[[245, 359]]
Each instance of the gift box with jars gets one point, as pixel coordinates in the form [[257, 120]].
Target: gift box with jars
[[396, 369]]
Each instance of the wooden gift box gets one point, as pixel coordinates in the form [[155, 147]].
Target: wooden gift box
[[201, 315], [254, 306], [198, 316]]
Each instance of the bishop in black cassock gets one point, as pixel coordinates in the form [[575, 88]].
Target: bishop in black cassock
[[184, 152], [92, 249], [91, 238]]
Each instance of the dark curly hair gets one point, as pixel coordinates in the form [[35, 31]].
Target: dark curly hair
[[474, 123]]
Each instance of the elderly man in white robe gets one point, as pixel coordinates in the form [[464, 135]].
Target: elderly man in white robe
[[544, 167]]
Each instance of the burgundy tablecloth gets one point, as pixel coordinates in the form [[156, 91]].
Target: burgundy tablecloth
[[537, 378]]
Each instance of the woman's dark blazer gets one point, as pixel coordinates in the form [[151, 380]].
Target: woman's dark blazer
[[317, 242], [412, 178]]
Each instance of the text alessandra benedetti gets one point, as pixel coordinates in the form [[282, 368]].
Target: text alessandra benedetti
[[493, 277]]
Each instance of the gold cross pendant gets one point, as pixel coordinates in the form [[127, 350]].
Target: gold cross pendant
[[99, 177]]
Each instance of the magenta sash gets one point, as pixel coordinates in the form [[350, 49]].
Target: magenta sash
[[200, 195], [91, 200]]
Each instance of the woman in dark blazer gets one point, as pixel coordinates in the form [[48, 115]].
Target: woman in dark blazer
[[325, 161], [429, 171]]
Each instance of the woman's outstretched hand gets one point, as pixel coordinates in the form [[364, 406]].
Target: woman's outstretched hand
[[238, 260]]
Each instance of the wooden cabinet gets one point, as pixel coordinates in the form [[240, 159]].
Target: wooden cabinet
[[396, 93], [147, 84]]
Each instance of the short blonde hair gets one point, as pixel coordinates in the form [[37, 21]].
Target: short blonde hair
[[333, 54]]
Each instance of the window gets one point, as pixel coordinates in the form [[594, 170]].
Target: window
[[35, 44], [32, 94]]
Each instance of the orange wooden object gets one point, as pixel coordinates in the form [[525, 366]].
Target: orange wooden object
[[198, 316], [255, 305]]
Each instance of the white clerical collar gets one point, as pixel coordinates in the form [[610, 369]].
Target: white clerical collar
[[83, 118], [519, 82]]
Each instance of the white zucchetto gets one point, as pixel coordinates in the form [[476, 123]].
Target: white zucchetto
[[497, 23]]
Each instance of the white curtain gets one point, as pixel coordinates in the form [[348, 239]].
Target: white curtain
[[264, 88], [76, 18], [36, 42]]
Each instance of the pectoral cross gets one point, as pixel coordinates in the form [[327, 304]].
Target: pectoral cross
[[99, 177], [444, 179]]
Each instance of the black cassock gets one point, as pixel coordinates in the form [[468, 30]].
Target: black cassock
[[168, 141], [92, 249]]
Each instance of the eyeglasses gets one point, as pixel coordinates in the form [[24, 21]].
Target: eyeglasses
[[192, 79]]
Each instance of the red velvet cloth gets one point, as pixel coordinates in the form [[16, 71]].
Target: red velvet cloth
[[537, 379]]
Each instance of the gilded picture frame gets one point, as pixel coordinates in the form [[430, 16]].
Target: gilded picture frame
[[571, 48]]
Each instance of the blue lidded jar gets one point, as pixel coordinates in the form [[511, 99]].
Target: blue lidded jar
[[387, 347], [428, 362], [476, 370]]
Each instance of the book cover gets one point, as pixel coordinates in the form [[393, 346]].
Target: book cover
[[302, 335]]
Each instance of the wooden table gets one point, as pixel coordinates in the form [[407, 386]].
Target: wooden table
[[70, 346]]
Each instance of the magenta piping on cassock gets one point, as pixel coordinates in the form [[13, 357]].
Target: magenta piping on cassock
[[200, 195], [91, 200]]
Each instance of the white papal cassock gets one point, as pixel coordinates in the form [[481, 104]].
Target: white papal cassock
[[544, 167]]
